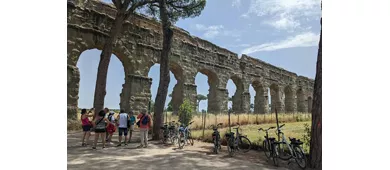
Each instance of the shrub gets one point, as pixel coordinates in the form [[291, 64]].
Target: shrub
[[185, 112], [306, 137]]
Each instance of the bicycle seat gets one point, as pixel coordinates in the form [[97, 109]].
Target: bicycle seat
[[235, 128], [271, 139], [295, 141], [229, 134]]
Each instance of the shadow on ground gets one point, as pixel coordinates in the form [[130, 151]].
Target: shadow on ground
[[159, 156]]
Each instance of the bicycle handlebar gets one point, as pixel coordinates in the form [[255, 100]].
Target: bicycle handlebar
[[281, 126], [261, 129], [213, 126]]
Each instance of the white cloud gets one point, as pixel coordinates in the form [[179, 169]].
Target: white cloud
[[244, 16], [285, 14], [236, 3], [307, 39], [216, 30], [285, 22], [210, 31]]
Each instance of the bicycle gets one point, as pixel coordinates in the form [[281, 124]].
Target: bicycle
[[216, 138], [165, 133], [292, 150], [236, 143], [269, 146], [185, 136], [173, 135]]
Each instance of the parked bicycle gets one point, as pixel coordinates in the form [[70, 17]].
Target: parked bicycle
[[185, 136], [165, 133], [270, 146], [292, 150], [237, 143], [216, 138], [173, 132]]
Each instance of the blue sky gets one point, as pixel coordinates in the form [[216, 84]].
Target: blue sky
[[284, 33]]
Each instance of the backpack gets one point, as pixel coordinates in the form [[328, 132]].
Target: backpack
[[128, 122], [110, 117], [145, 121]]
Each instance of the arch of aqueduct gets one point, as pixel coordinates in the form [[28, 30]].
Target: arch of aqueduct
[[139, 46]]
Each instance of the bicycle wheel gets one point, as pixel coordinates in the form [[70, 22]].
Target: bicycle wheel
[[274, 154], [215, 146], [164, 140], [230, 147], [244, 144], [181, 140], [190, 139], [267, 148], [284, 152], [219, 144], [174, 139], [300, 157]]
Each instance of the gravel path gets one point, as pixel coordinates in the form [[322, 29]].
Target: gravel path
[[158, 156]]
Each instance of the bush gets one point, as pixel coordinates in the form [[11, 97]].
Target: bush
[[185, 112]]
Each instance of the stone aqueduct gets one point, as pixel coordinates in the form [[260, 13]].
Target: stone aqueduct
[[139, 46]]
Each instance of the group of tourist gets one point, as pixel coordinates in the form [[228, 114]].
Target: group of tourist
[[105, 124]]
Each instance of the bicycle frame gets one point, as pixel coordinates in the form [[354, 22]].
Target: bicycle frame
[[285, 141]]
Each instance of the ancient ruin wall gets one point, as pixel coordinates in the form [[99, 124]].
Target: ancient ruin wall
[[138, 48]]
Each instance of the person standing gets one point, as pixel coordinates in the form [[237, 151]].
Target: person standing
[[122, 126], [131, 124], [111, 126], [86, 125], [100, 124], [144, 124]]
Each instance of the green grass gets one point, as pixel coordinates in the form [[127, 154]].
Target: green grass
[[294, 130]]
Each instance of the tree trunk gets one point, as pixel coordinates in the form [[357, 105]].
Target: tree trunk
[[105, 56], [315, 158], [162, 91]]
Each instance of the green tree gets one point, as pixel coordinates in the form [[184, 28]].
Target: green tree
[[252, 107], [124, 9], [199, 98], [170, 108], [151, 106], [185, 112], [169, 11]]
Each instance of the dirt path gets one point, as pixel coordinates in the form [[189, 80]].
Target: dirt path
[[158, 156]]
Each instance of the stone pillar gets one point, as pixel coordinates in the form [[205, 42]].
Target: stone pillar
[[310, 103], [301, 101], [177, 97], [290, 100], [189, 92], [261, 100], [223, 96], [125, 95], [246, 102], [139, 97], [236, 103], [277, 100], [73, 79], [212, 99]]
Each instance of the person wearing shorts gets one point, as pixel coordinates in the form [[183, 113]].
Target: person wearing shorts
[[131, 124], [86, 125], [100, 124], [122, 126]]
